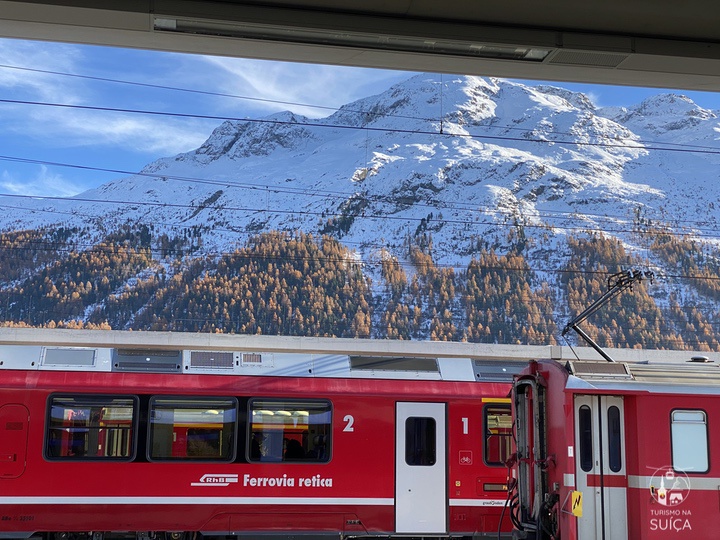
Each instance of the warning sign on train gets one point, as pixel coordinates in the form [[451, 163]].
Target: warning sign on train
[[576, 501]]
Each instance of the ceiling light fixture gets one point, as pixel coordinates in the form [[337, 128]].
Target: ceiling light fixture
[[341, 38]]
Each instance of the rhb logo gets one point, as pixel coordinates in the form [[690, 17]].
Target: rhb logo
[[216, 480]]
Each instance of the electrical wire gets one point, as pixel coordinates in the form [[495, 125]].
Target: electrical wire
[[697, 230], [695, 148], [374, 114], [313, 124], [324, 125]]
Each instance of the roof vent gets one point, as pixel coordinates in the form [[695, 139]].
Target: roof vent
[[589, 369], [147, 361], [211, 360], [700, 359]]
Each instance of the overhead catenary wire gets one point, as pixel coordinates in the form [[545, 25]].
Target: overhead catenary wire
[[75, 245], [314, 192], [366, 128], [69, 314], [385, 114], [246, 253], [320, 124], [341, 196], [504, 269], [635, 145], [524, 140]]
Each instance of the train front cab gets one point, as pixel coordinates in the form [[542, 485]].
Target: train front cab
[[568, 486]]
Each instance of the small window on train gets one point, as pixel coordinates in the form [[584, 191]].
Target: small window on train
[[689, 441], [614, 439], [420, 441], [585, 436], [199, 428], [289, 430], [91, 427], [497, 420]]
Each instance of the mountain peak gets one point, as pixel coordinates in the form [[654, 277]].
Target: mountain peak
[[575, 99], [661, 114], [456, 146], [673, 105]]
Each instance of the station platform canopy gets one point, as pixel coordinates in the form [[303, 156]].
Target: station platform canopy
[[651, 43]]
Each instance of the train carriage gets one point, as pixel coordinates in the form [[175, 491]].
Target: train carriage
[[616, 450], [128, 443]]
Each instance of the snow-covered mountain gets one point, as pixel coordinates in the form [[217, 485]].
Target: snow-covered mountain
[[462, 158]]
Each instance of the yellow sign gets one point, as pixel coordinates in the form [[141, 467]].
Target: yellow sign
[[577, 503]]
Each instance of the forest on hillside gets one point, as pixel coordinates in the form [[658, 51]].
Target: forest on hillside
[[282, 283]]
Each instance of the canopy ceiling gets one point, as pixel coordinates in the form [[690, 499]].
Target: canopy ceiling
[[656, 43]]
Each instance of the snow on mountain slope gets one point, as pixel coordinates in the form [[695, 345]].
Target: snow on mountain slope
[[461, 158]]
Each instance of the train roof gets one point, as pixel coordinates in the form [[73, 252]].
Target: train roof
[[232, 354], [698, 375], [256, 362]]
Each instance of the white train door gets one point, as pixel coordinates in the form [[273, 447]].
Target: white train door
[[600, 467], [420, 469]]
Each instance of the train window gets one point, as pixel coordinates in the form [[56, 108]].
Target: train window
[[689, 441], [497, 420], [585, 438], [197, 428], [289, 430], [614, 439], [420, 441], [91, 427]]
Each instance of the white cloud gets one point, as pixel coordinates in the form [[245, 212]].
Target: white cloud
[[26, 66], [154, 136], [53, 73], [304, 85], [57, 127], [594, 98], [41, 182], [299, 86]]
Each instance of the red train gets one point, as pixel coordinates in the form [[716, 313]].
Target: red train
[[99, 443], [617, 451]]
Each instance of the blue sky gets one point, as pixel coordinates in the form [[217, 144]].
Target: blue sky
[[91, 139]]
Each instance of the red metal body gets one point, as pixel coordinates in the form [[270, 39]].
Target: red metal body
[[659, 479], [352, 494]]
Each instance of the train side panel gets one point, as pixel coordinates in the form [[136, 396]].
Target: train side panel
[[177, 475], [480, 443], [674, 471]]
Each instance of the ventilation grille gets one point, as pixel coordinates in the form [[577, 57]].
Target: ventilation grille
[[600, 370], [149, 361], [212, 360], [252, 359], [585, 58]]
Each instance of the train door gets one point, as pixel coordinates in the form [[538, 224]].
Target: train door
[[532, 477], [13, 440], [600, 467], [420, 468]]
